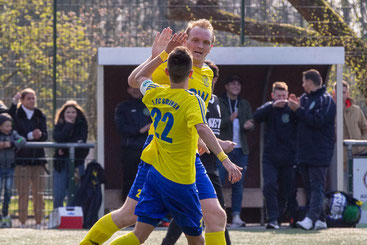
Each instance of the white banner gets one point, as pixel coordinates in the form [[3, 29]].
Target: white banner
[[360, 185]]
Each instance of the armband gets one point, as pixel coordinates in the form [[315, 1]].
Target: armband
[[222, 156], [144, 85], [163, 55]]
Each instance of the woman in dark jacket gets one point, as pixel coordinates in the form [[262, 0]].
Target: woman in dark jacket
[[30, 123], [70, 127]]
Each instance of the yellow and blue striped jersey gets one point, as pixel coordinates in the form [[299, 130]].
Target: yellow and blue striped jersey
[[174, 112]]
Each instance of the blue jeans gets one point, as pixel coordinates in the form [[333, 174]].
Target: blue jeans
[[61, 185], [6, 179], [240, 159]]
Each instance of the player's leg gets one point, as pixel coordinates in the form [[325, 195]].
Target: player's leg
[[195, 240], [215, 179], [213, 214], [173, 233], [138, 236], [182, 202]]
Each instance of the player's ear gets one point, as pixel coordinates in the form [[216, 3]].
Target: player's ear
[[190, 75], [166, 70]]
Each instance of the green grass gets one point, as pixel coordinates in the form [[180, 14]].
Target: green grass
[[251, 236]]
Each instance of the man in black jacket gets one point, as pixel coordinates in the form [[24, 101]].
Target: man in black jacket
[[132, 120], [279, 152], [315, 112]]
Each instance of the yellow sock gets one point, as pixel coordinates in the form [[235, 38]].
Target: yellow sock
[[101, 231], [128, 239], [215, 238]]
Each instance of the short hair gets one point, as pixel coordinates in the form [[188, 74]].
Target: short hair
[[345, 85], [214, 67], [233, 78], [26, 91], [179, 64], [202, 23], [280, 86], [314, 76]]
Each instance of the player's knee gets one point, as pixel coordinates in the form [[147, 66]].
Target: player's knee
[[123, 217], [215, 220]]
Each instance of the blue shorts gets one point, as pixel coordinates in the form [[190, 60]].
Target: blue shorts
[[161, 196], [141, 175], [203, 183]]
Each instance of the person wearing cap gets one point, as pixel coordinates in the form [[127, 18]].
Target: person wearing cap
[[236, 122], [10, 142]]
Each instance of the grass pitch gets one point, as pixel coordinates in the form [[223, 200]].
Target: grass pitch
[[251, 235]]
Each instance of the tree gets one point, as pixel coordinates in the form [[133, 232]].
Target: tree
[[325, 28], [26, 51]]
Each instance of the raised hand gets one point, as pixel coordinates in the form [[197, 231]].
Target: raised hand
[[160, 41], [178, 39], [293, 102]]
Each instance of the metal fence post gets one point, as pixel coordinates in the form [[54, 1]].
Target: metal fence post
[[71, 189], [350, 168]]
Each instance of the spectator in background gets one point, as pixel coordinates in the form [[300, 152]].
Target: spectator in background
[[30, 123], [355, 127], [236, 122], [10, 142], [213, 117], [279, 152], [132, 120], [70, 127], [315, 112]]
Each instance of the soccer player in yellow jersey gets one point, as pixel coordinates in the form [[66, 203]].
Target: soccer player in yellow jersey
[[199, 42], [178, 117]]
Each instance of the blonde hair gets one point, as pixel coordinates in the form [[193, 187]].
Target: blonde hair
[[202, 23], [59, 118], [280, 86]]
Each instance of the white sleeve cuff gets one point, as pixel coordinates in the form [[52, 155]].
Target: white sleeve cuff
[[30, 136], [144, 85]]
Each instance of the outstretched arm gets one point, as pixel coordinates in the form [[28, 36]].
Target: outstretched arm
[[207, 135], [146, 71], [159, 44]]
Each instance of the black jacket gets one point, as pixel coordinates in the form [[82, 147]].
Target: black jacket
[[71, 133], [89, 194], [23, 125], [279, 135], [316, 128], [130, 117], [213, 118]]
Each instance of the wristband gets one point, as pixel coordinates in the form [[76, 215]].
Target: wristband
[[163, 55], [222, 156]]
